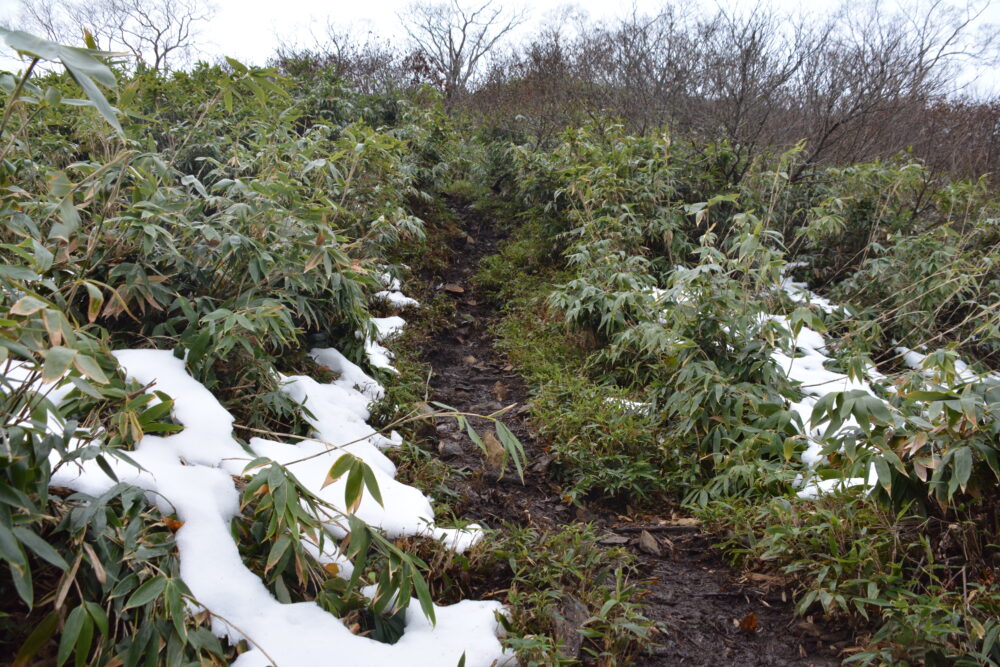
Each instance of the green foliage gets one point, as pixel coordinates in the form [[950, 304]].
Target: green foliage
[[554, 570], [846, 556], [237, 229], [668, 281]]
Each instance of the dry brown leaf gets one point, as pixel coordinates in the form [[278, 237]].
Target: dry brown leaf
[[501, 392], [749, 623], [172, 524], [685, 521], [454, 289], [494, 450]]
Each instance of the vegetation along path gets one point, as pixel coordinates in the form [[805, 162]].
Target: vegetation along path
[[705, 613]]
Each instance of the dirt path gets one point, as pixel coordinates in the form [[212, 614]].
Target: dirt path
[[697, 602]]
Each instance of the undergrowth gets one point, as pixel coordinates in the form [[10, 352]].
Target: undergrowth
[[641, 293]]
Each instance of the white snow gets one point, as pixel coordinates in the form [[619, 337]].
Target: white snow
[[807, 368], [799, 293], [340, 428], [915, 360], [397, 299], [190, 473], [392, 292], [386, 328]]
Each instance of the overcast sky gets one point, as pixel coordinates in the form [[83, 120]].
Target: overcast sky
[[250, 30]]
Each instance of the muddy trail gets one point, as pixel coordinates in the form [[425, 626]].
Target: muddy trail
[[706, 613]]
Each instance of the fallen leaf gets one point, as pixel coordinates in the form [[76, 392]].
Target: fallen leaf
[[494, 450], [454, 289], [500, 392], [749, 623], [470, 360], [508, 367], [685, 521], [769, 579], [613, 539], [173, 524]]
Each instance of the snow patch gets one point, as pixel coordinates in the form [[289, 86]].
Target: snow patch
[[190, 473]]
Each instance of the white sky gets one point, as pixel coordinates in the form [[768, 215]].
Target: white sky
[[250, 30]]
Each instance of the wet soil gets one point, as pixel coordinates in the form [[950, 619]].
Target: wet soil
[[706, 613]]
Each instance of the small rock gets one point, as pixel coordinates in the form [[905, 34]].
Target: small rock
[[470, 360], [450, 449], [541, 466], [567, 622], [454, 289], [648, 543], [446, 428]]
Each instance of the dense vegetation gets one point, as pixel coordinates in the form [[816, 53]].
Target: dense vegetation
[[239, 216]]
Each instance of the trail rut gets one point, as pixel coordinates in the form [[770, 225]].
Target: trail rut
[[707, 614]]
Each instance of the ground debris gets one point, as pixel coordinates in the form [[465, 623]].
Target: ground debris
[[648, 544]]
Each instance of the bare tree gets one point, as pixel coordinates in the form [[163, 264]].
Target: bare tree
[[158, 33], [455, 39]]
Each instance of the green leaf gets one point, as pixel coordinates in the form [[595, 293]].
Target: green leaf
[[962, 465], [10, 547], [84, 642], [278, 550], [89, 367], [96, 301], [513, 446], [13, 272], [354, 487], [175, 606], [57, 361], [100, 617], [41, 548], [423, 595], [38, 638], [147, 592], [789, 448], [21, 574], [70, 634], [931, 396], [28, 305], [338, 469], [884, 473], [85, 387], [371, 483], [26, 43], [106, 467], [97, 97]]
